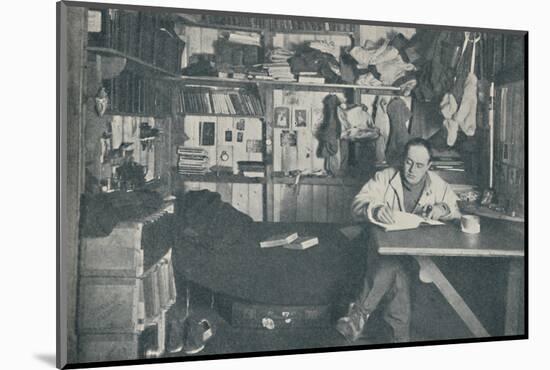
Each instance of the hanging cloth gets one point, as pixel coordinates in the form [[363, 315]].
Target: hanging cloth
[[463, 114]]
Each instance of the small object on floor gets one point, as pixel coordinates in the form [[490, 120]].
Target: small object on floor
[[195, 334], [352, 325]]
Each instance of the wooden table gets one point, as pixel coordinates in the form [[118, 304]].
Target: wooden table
[[497, 239]]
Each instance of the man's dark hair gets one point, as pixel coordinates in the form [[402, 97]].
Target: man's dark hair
[[418, 141]]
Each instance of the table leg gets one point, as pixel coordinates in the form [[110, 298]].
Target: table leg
[[514, 298], [430, 273]]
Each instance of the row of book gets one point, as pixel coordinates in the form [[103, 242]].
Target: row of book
[[159, 288], [235, 102], [132, 93], [276, 23], [192, 161], [144, 35]]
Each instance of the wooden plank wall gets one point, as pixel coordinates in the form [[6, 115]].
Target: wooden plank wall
[[510, 144], [247, 198], [253, 131], [313, 203]]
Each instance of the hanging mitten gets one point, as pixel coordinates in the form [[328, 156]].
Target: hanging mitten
[[330, 130]]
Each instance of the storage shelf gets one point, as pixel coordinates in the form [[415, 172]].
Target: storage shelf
[[116, 53], [280, 178], [221, 115], [229, 178], [218, 81]]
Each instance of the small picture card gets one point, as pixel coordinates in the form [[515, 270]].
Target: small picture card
[[254, 146], [240, 124], [282, 117], [288, 138], [228, 135], [300, 118], [207, 133], [240, 136]]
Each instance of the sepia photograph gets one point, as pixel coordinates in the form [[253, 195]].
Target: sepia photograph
[[203, 217]]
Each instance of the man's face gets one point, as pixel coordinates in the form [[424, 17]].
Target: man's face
[[416, 164]]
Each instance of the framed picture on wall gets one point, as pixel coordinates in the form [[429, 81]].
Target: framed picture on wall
[[282, 117], [300, 118]]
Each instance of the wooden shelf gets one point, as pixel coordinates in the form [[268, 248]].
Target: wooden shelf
[[116, 53], [218, 81], [212, 177], [220, 115], [279, 178]]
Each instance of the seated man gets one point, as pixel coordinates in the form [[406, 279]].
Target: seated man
[[411, 188]]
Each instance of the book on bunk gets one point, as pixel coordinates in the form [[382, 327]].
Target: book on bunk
[[279, 240]]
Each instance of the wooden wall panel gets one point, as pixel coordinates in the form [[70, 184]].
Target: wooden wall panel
[[226, 191], [320, 203], [255, 202], [288, 203], [240, 197], [304, 206], [509, 146]]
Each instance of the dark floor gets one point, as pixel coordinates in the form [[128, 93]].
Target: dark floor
[[432, 317]]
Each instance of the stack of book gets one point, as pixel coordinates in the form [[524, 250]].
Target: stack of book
[[192, 161], [289, 241], [251, 168], [311, 77], [280, 71], [278, 55], [447, 164]]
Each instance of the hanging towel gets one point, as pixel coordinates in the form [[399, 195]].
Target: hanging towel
[[357, 123]]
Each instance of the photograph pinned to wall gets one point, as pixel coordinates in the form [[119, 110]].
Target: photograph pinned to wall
[[228, 136], [240, 137], [282, 117], [240, 124], [300, 118], [207, 133], [288, 138], [254, 146]]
